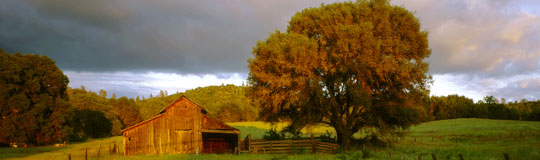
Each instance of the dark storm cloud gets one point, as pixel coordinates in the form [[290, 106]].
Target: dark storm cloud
[[136, 35], [480, 47]]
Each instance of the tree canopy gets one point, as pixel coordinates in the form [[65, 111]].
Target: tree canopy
[[33, 100], [350, 65]]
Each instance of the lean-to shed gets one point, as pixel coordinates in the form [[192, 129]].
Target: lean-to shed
[[181, 127]]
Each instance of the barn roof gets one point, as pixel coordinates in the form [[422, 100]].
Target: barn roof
[[172, 104], [179, 99], [141, 123]]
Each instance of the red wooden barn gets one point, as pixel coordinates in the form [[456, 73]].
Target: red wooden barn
[[181, 127]]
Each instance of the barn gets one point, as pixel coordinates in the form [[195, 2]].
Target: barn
[[181, 127]]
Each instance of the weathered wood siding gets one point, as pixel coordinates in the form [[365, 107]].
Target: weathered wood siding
[[177, 130]]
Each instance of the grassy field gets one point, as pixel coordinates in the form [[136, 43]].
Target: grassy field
[[473, 138]]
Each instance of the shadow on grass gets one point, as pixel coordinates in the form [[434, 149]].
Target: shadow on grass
[[23, 152]]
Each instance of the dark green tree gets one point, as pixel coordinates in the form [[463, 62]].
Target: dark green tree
[[82, 100], [350, 65], [88, 123], [33, 100], [452, 106]]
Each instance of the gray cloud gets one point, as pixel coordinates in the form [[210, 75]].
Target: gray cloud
[[486, 37], [136, 35], [528, 88], [480, 46]]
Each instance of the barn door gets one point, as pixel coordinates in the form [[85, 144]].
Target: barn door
[[219, 142], [185, 141]]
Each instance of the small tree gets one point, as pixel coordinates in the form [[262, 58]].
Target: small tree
[[350, 65]]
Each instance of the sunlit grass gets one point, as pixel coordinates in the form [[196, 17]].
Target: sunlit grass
[[473, 138], [257, 128]]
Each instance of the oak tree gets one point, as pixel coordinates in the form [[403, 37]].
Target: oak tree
[[34, 104], [350, 65]]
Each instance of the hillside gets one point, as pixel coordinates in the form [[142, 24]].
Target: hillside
[[474, 138], [220, 102]]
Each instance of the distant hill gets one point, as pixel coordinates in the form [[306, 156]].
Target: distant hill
[[227, 103]]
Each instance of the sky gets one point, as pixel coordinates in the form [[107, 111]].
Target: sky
[[138, 47]]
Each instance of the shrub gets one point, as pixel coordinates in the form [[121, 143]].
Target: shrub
[[273, 134]]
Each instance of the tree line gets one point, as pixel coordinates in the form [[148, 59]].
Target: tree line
[[37, 107], [455, 106]]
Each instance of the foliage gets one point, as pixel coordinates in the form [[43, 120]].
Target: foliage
[[227, 103], [350, 65], [89, 124], [80, 99], [273, 134], [326, 137], [126, 110], [454, 106], [33, 100], [534, 115]]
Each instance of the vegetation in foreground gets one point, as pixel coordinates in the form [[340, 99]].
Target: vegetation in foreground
[[473, 138]]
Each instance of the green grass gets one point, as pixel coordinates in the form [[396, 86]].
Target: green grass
[[473, 138]]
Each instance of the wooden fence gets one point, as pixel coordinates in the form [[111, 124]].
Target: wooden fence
[[306, 145], [113, 150]]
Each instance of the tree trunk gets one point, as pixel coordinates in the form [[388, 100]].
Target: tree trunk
[[344, 138]]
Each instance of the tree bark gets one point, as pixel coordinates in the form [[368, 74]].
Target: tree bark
[[344, 137]]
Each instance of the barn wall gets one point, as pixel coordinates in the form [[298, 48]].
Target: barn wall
[[178, 130]]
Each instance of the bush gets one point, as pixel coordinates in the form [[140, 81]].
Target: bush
[[273, 134], [326, 137]]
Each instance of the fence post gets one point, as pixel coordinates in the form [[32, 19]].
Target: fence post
[[433, 156], [313, 147], [236, 150], [293, 148], [98, 150], [114, 147], [404, 156], [69, 156], [271, 147], [248, 142], [506, 157]]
